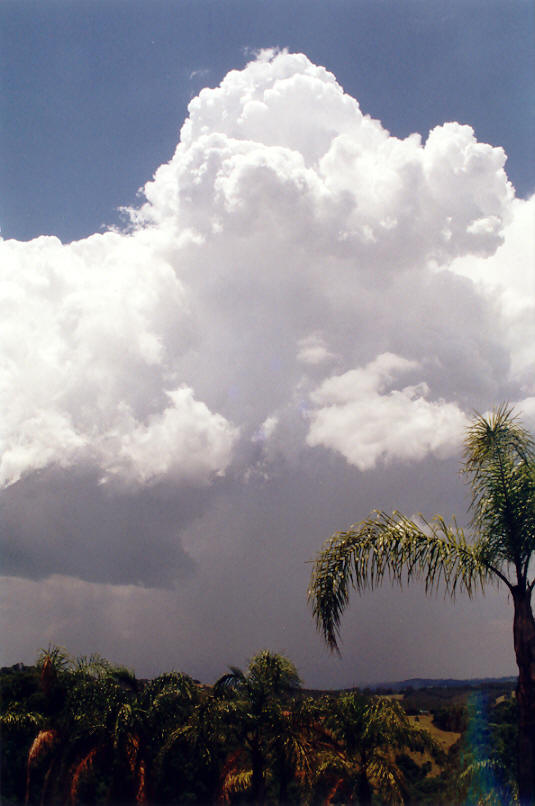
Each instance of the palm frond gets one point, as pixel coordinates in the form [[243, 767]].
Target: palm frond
[[501, 430], [54, 656], [236, 775], [387, 779], [228, 684], [490, 782], [44, 741], [499, 459], [81, 769], [396, 547], [94, 665], [236, 782], [16, 718]]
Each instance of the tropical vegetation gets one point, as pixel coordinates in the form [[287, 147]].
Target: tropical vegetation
[[85, 731]]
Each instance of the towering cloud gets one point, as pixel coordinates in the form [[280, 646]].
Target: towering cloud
[[296, 280]]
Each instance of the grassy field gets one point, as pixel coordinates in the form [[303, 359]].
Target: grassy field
[[444, 738]]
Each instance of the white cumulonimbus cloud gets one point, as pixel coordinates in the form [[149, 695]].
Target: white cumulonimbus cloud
[[289, 233], [357, 416], [85, 373]]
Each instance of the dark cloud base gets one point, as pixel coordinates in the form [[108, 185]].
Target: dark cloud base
[[65, 522]]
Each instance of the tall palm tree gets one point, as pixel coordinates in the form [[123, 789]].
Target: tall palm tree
[[499, 462], [53, 665], [89, 703], [189, 763], [162, 706], [300, 739], [259, 696], [370, 731]]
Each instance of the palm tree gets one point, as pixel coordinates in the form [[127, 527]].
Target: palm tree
[[370, 730], [190, 760], [300, 738], [499, 462], [164, 704], [259, 698], [121, 729], [53, 665], [88, 708]]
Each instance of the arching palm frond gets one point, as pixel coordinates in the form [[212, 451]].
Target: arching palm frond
[[17, 718], [387, 779], [396, 547], [231, 682], [332, 773], [234, 778], [43, 744], [489, 783], [80, 769], [386, 726]]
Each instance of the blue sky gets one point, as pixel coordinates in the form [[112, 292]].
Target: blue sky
[[290, 325]]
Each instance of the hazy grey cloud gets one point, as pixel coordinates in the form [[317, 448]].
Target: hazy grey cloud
[[65, 522]]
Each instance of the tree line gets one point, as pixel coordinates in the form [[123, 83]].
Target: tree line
[[85, 731]]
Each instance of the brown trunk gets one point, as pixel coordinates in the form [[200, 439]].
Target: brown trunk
[[284, 777], [364, 790], [258, 784], [524, 638]]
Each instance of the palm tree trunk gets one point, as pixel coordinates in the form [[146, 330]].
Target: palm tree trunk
[[258, 784], [283, 789], [524, 640], [364, 789]]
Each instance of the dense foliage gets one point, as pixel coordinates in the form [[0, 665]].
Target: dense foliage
[[84, 731]]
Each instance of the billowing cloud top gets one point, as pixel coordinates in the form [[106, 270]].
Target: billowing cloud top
[[295, 272]]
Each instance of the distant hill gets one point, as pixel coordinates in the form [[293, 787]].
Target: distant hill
[[433, 682], [416, 684]]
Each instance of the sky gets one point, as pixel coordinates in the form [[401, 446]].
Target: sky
[[261, 262]]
